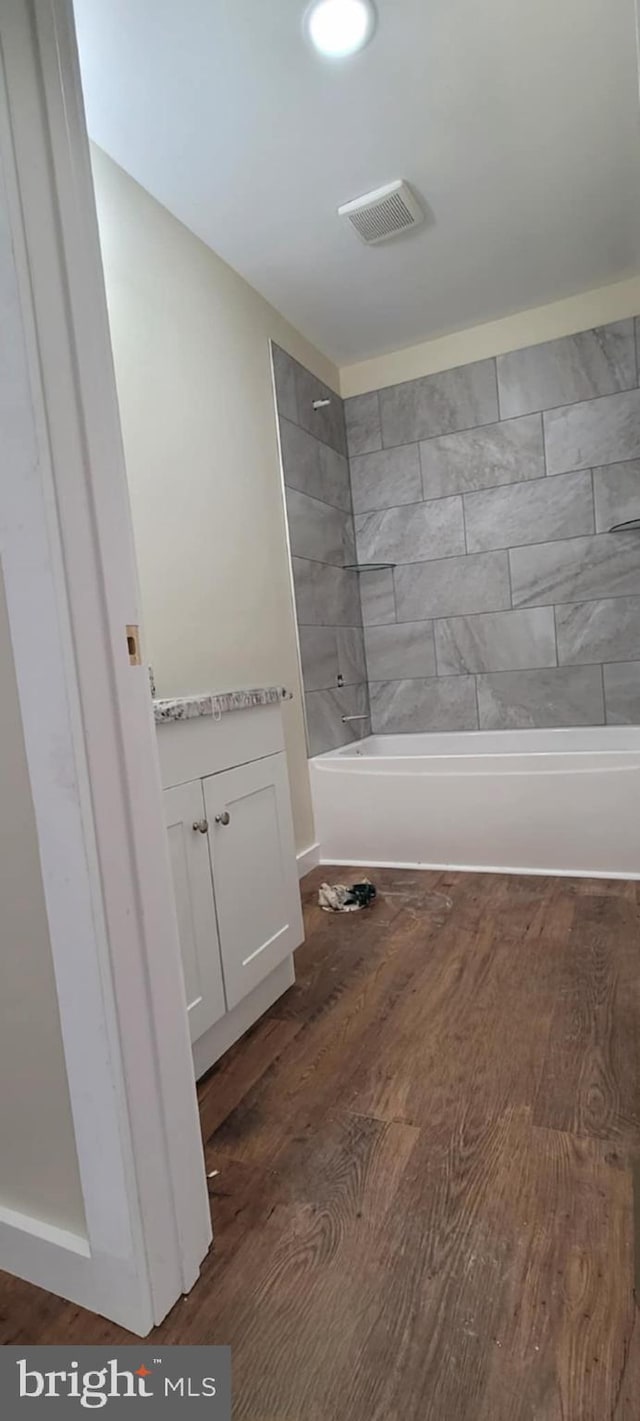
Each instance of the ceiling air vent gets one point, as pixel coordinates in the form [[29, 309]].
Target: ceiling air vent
[[384, 213]]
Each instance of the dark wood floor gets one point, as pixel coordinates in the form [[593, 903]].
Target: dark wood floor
[[424, 1206]]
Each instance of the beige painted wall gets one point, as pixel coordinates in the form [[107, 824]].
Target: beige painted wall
[[191, 350], [38, 1164], [559, 318]]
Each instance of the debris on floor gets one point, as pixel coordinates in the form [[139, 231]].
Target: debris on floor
[[337, 898]]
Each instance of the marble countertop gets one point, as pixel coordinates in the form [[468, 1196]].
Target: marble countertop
[[216, 703]]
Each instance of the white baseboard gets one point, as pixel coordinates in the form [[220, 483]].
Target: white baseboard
[[482, 868], [308, 859]]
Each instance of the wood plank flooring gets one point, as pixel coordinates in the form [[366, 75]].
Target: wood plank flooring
[[427, 1151]]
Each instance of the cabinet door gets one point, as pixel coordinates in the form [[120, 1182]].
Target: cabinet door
[[191, 869], [254, 871]]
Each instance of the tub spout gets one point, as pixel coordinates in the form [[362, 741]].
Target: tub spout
[[345, 718]]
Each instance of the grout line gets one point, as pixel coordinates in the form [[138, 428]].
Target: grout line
[[321, 690], [399, 680], [501, 671], [331, 626], [311, 434], [478, 552], [350, 483], [469, 492], [488, 671], [393, 449], [604, 693], [494, 360], [433, 644], [319, 562], [323, 502], [379, 422], [519, 607], [492, 612], [475, 682], [555, 636], [291, 488], [544, 447], [508, 552], [420, 466], [490, 552], [395, 598], [440, 674], [489, 423], [441, 498], [464, 524]]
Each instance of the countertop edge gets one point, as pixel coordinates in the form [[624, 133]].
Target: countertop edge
[[216, 704]]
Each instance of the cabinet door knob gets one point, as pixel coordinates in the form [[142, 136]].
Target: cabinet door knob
[[201, 826], [223, 818]]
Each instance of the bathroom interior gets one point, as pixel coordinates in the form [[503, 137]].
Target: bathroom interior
[[432, 535], [384, 473]]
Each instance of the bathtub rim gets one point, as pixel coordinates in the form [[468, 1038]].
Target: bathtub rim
[[562, 740]]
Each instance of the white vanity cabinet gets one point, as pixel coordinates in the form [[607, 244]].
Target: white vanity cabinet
[[228, 818], [195, 907], [255, 877]]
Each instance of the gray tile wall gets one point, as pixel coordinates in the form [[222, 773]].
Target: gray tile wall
[[492, 487], [322, 541]]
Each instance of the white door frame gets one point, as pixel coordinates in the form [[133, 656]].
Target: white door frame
[[69, 571]]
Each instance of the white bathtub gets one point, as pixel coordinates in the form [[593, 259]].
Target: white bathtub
[[515, 801]]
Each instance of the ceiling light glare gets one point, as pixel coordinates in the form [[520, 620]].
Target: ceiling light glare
[[338, 28]]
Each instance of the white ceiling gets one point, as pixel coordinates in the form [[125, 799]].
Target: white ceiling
[[516, 120]]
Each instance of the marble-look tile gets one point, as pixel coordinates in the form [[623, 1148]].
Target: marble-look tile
[[362, 415], [318, 530], [284, 374], [503, 453], [400, 707], [637, 326], [607, 565], [535, 512], [329, 652], [377, 597], [351, 657], [412, 533], [325, 709], [495, 641], [326, 424], [560, 372], [400, 651], [452, 586], [617, 494], [386, 479], [518, 700], [325, 595], [607, 630], [603, 431], [439, 404], [313, 467], [319, 657], [622, 693]]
